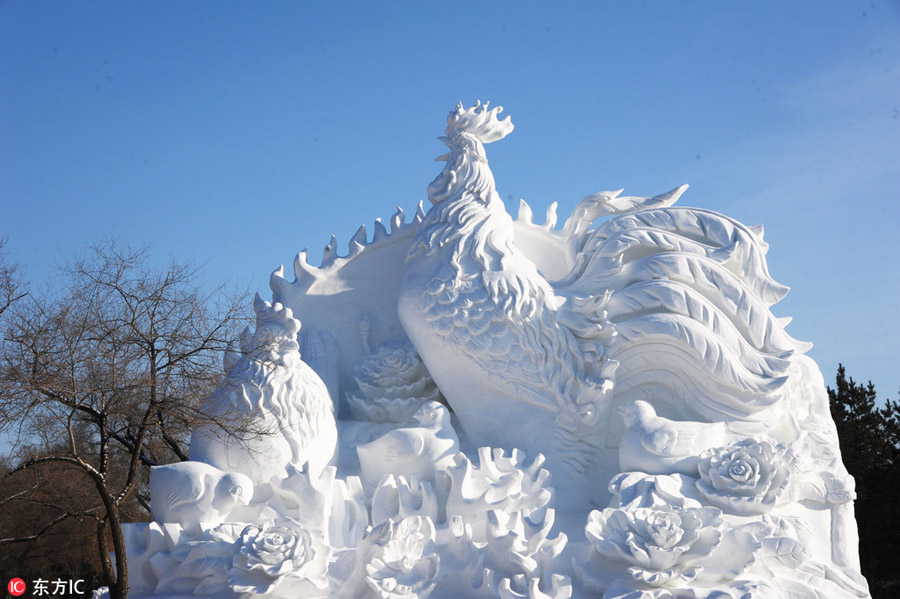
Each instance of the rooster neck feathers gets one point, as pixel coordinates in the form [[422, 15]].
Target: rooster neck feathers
[[469, 223]]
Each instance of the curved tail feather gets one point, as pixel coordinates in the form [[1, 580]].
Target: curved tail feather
[[688, 295]]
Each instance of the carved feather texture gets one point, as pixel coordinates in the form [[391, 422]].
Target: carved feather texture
[[689, 287], [749, 318], [728, 242], [693, 337], [464, 314]]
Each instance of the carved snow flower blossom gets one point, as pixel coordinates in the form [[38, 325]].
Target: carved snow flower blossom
[[394, 384], [283, 555], [661, 545], [501, 482], [402, 562], [746, 478]]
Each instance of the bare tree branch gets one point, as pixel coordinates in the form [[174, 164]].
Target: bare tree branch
[[10, 285], [46, 528], [78, 463]]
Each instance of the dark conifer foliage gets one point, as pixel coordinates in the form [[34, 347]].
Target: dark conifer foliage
[[869, 432]]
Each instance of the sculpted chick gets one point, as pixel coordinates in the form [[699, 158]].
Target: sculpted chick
[[657, 445], [192, 492], [407, 451]]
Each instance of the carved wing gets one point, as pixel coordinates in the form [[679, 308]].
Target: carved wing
[[331, 299]]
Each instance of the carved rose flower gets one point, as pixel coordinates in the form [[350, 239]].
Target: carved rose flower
[[745, 478], [392, 371], [281, 555], [403, 562], [394, 384], [660, 545]]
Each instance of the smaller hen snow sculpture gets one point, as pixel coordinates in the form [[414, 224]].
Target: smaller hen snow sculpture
[[284, 406]]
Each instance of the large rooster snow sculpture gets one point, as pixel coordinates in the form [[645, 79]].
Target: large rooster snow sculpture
[[652, 300], [491, 326], [629, 420]]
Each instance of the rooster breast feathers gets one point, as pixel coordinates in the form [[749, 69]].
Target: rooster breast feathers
[[503, 316]]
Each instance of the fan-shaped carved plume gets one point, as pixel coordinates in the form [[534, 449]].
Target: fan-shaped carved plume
[[690, 300], [307, 275], [343, 289]]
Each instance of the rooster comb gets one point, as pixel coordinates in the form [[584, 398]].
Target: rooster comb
[[479, 122], [275, 317]]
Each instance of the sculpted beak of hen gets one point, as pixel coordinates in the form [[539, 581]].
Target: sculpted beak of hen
[[425, 418], [241, 490]]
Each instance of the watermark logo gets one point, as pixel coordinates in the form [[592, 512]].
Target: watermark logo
[[16, 587], [58, 587], [46, 588]]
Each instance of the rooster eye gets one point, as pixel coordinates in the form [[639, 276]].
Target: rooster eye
[[237, 491], [587, 414]]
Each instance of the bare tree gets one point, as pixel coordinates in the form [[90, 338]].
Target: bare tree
[[106, 375], [10, 286]]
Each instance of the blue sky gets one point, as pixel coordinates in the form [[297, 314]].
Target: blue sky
[[237, 133]]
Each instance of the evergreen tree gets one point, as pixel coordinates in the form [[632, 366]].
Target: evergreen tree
[[870, 448]]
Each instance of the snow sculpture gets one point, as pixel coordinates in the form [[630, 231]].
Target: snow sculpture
[[661, 545], [658, 445], [280, 554], [396, 560], [603, 409], [393, 384], [748, 477], [190, 492], [284, 405], [421, 450]]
